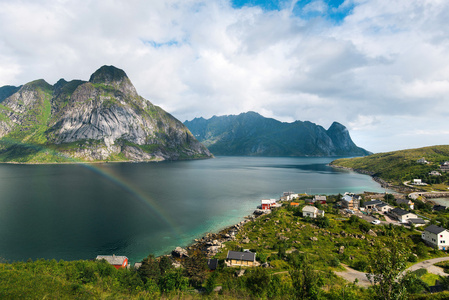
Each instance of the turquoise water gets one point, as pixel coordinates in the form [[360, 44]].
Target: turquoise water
[[78, 212]]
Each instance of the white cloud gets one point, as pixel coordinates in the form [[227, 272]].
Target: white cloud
[[385, 61]]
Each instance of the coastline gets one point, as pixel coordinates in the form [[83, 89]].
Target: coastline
[[382, 182]]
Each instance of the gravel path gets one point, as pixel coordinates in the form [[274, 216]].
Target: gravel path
[[351, 274]]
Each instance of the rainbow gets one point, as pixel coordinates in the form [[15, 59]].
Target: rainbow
[[99, 169]]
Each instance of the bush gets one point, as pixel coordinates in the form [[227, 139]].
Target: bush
[[420, 272]]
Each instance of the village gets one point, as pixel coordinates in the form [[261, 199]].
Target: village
[[234, 247]]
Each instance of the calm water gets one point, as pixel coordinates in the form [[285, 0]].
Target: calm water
[[78, 212]]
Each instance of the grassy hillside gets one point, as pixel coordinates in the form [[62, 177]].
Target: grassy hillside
[[399, 166], [302, 253]]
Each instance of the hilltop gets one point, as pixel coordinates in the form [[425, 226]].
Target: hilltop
[[399, 166], [252, 134], [103, 119]]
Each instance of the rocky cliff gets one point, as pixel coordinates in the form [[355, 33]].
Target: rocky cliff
[[252, 134], [103, 119]]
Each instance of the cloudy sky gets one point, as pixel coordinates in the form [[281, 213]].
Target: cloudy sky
[[381, 68]]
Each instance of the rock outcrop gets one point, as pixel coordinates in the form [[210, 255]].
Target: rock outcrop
[[103, 119]]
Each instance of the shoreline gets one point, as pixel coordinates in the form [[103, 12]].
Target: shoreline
[[382, 182]]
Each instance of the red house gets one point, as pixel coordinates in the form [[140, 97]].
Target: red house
[[117, 261], [268, 203]]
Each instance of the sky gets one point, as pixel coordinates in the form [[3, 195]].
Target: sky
[[381, 68]]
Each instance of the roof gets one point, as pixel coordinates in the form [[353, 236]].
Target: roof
[[212, 263], [405, 201], [400, 212], [113, 259], [417, 221], [309, 208], [246, 256], [438, 207], [384, 204], [294, 203], [347, 198], [268, 201], [373, 202], [434, 229], [320, 198]]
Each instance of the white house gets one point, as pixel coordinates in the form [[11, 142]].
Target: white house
[[436, 236], [402, 215], [384, 207], [435, 173], [288, 196], [422, 161], [418, 182], [312, 212]]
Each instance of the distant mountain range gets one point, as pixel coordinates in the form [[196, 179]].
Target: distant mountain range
[[252, 134], [103, 119]]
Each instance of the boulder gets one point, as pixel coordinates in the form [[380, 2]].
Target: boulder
[[372, 233], [180, 252]]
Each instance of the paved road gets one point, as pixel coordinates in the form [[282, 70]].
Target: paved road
[[428, 264], [351, 274]]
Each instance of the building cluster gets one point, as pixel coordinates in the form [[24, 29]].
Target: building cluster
[[433, 235]]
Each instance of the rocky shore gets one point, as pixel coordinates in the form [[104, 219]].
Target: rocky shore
[[211, 243]]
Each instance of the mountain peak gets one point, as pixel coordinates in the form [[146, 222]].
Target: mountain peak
[[108, 75]]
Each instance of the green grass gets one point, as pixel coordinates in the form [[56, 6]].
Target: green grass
[[399, 166]]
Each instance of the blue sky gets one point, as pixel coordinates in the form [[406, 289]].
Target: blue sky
[[332, 10], [378, 67]]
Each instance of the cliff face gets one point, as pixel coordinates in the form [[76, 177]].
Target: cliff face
[[102, 119], [252, 134]]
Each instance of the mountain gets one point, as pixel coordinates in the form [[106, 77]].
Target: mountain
[[7, 90], [103, 119], [252, 134]]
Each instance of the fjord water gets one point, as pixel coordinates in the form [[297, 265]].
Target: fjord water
[[80, 211]]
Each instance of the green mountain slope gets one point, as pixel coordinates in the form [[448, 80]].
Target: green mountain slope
[[398, 166], [103, 119], [252, 134]]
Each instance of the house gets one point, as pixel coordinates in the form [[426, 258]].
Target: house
[[436, 236], [445, 167], [417, 222], [407, 202], [212, 264], [320, 199], [384, 207], [245, 258], [294, 203], [312, 212], [288, 196], [435, 173], [422, 161], [117, 261], [268, 203], [372, 204], [418, 182], [351, 201], [438, 207], [402, 215]]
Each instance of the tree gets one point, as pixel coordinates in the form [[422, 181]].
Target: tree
[[150, 269], [165, 265], [306, 282], [196, 268], [386, 264], [258, 281]]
